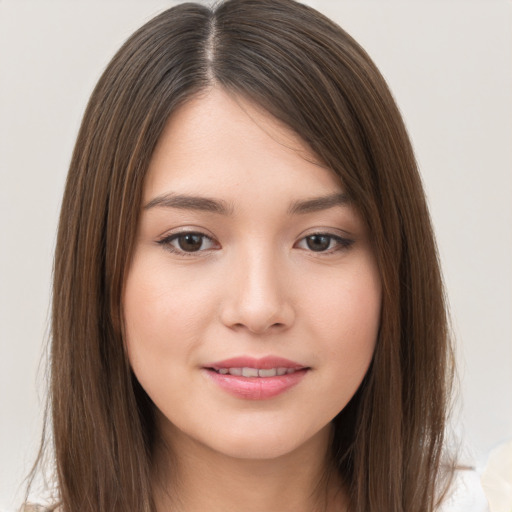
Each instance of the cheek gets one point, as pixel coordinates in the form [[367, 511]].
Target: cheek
[[348, 304], [163, 318], [346, 319]]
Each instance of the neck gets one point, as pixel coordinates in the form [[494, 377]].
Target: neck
[[202, 479]]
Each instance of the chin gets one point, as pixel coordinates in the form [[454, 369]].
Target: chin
[[260, 444], [256, 449]]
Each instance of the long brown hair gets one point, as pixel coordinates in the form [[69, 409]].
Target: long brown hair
[[306, 71]]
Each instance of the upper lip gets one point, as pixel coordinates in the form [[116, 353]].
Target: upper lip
[[263, 363]]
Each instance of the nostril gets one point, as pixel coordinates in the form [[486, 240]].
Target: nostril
[[251, 312]]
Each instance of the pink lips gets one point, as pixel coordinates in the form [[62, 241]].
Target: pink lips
[[255, 387]]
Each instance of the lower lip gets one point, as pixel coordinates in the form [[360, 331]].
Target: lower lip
[[256, 388]]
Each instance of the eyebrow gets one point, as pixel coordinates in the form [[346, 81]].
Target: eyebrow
[[319, 203], [187, 202], [207, 204]]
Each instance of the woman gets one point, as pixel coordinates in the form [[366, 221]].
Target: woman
[[247, 307]]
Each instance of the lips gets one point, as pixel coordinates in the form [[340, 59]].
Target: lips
[[255, 372], [263, 363], [256, 379]]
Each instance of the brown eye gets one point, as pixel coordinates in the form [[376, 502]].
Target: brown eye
[[324, 243], [318, 242], [190, 242]]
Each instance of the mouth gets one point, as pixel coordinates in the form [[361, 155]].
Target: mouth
[[256, 372], [256, 379]]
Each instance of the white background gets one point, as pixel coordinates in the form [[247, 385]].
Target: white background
[[449, 65]]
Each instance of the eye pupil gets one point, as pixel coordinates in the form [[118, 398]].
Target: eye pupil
[[318, 242], [190, 242]]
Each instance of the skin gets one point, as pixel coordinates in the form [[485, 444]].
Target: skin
[[254, 287]]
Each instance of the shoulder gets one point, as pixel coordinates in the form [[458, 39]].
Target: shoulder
[[32, 507], [466, 494]]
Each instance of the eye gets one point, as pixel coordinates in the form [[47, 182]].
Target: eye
[[188, 242], [324, 242]]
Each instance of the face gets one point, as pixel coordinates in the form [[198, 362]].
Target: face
[[253, 298]]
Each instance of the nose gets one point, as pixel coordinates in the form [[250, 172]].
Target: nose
[[257, 297]]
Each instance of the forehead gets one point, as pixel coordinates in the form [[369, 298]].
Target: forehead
[[217, 142]]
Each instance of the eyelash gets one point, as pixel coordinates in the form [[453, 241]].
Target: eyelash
[[341, 243]]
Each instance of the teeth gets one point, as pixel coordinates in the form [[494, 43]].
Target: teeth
[[271, 372], [255, 372], [249, 372]]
